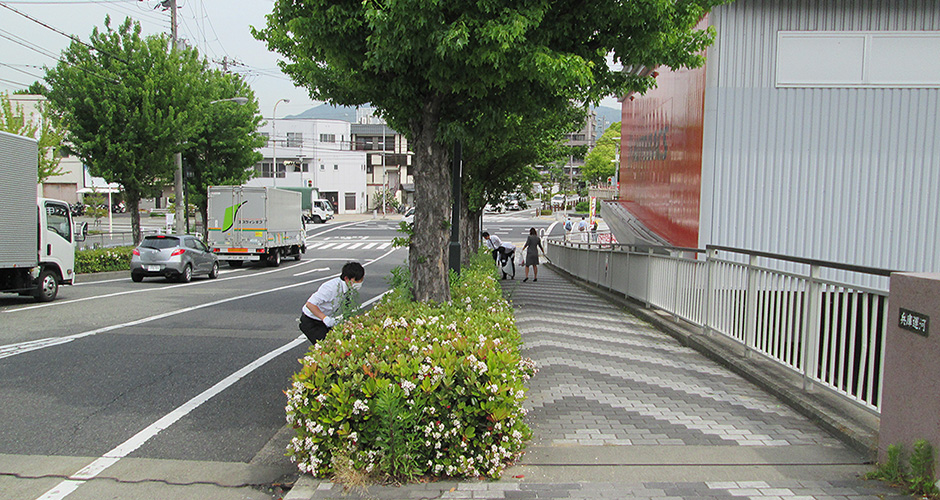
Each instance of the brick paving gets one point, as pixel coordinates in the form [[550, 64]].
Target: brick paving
[[616, 389]]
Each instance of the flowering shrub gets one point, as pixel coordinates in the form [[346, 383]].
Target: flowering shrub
[[411, 389], [103, 259]]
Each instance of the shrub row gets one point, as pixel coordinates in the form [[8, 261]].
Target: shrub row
[[103, 259], [412, 389]]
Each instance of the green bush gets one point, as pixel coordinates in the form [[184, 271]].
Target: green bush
[[103, 259], [413, 389], [584, 206]]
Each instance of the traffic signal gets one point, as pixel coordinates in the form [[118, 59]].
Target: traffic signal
[[309, 183]]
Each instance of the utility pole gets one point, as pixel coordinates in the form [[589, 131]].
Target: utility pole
[[181, 208]]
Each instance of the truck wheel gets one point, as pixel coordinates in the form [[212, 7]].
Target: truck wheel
[[48, 287], [317, 219], [274, 259], [214, 273], [235, 263], [187, 275]]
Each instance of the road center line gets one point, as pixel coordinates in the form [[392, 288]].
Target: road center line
[[110, 458]]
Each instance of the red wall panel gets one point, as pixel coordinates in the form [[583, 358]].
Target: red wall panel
[[661, 155]]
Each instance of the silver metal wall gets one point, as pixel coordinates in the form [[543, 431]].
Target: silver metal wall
[[849, 175]]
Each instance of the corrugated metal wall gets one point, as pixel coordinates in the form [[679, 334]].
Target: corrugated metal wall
[[847, 175]]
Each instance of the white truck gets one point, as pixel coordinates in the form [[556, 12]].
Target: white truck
[[252, 224], [37, 250], [316, 210]]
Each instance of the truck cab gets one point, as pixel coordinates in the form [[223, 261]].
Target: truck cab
[[321, 210]]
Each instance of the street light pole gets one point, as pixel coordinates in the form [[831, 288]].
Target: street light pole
[[274, 137], [178, 157]]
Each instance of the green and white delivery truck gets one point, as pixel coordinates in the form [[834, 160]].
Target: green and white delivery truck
[[252, 224]]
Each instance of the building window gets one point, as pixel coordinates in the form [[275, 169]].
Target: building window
[[327, 137], [322, 167], [335, 167], [295, 139]]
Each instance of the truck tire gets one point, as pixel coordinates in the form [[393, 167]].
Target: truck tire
[[235, 263], [297, 255], [47, 287], [274, 258], [317, 219]]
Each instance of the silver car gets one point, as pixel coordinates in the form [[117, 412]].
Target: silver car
[[173, 257]]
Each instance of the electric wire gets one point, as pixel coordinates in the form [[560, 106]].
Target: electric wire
[[4, 80], [71, 37], [23, 71]]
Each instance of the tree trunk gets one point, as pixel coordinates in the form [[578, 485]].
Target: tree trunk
[[469, 232], [133, 205], [204, 213], [427, 254]]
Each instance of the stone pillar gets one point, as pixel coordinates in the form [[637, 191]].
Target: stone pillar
[[910, 406]]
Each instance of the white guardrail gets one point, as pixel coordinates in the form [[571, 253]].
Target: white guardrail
[[823, 320]]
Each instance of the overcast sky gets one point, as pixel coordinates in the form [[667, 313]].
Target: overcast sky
[[219, 28]]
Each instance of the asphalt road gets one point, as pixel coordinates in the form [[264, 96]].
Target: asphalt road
[[165, 390]]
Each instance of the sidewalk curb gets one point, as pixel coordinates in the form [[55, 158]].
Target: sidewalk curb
[[854, 426], [304, 489]]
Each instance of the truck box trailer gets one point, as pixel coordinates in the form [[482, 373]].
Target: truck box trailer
[[37, 251], [251, 224]]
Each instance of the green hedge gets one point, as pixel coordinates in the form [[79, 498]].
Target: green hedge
[[103, 259], [411, 389]]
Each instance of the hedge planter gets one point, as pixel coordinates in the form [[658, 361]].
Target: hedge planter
[[409, 389]]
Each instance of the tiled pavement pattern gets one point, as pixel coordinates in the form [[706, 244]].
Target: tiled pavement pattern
[[619, 409]]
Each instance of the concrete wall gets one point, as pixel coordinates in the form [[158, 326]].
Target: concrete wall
[[910, 407]]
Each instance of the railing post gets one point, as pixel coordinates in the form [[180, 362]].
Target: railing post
[[811, 327], [750, 314], [710, 255], [649, 278], [677, 262]]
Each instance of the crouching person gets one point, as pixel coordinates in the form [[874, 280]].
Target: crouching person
[[324, 308]]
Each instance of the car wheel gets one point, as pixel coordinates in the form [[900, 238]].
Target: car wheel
[[137, 277], [214, 273], [48, 287], [235, 263], [274, 259], [187, 275]]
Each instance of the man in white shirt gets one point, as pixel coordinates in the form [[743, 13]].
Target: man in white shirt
[[324, 309], [503, 252]]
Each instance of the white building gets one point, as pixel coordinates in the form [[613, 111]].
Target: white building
[[314, 153], [61, 187]]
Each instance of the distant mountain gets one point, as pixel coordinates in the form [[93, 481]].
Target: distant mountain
[[606, 116], [329, 112]]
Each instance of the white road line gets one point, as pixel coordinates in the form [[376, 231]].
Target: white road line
[[313, 271], [144, 290], [369, 245], [341, 245], [355, 246], [326, 245], [33, 345], [110, 458], [383, 246]]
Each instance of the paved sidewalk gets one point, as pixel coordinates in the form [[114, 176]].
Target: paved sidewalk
[[622, 410]]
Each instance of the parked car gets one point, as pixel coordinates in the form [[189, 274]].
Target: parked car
[[410, 216], [558, 200], [173, 257]]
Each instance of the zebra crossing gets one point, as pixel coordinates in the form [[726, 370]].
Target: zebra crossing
[[348, 245]]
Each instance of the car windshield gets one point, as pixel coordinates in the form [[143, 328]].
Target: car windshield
[[160, 242]]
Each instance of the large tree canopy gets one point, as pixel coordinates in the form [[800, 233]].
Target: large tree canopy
[[422, 64], [127, 106], [225, 146], [599, 163]]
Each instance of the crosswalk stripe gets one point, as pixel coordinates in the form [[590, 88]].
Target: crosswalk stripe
[[341, 245], [369, 245], [326, 245], [383, 246], [355, 246]]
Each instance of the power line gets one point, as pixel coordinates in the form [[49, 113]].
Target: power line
[[22, 71], [71, 37], [25, 43], [14, 83]]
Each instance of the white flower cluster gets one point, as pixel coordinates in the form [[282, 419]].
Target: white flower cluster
[[359, 407], [407, 386]]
